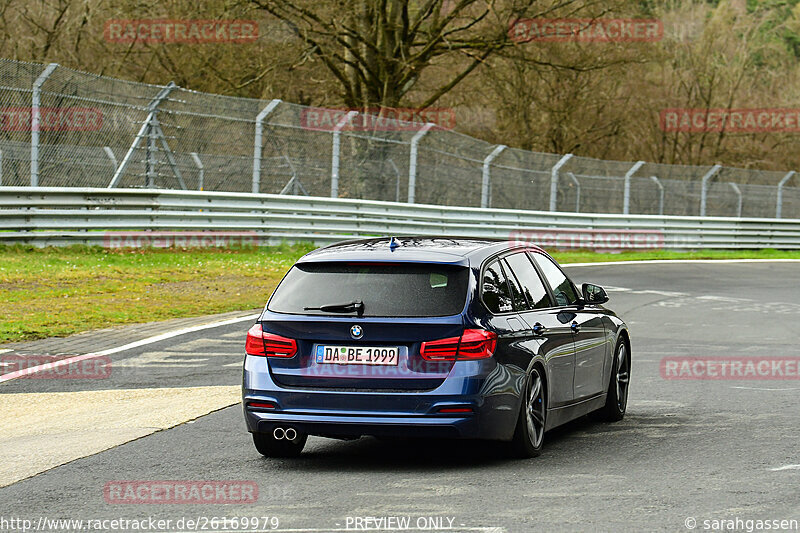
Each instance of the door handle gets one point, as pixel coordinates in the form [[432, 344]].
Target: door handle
[[575, 327], [538, 329]]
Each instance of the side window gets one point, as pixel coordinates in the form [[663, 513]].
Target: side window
[[562, 287], [532, 284], [495, 289], [517, 294]]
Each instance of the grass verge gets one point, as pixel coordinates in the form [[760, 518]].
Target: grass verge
[[52, 292], [48, 292]]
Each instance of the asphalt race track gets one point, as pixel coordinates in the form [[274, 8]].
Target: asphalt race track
[[688, 451]]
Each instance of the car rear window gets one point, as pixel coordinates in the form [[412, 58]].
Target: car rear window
[[386, 289]]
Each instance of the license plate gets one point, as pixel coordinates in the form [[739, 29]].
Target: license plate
[[358, 355]]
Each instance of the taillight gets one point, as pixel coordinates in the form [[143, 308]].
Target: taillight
[[441, 350], [255, 341], [266, 344], [472, 344], [477, 344]]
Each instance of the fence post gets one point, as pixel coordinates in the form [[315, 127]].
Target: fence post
[[626, 197], [36, 101], [577, 191], [779, 205], [144, 131], [200, 170], [412, 161], [704, 190], [256, 187], [487, 174], [738, 192], [150, 157], [660, 194], [337, 131], [396, 180], [110, 153], [554, 180]]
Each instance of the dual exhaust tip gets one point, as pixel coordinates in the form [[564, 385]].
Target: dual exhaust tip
[[284, 433]]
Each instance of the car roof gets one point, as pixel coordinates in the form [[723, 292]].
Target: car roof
[[454, 250]]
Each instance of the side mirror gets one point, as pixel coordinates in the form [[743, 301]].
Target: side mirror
[[594, 294]]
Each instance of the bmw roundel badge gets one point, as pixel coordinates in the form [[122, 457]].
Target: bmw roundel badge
[[356, 331]]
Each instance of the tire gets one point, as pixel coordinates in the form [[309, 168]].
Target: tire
[[268, 446], [528, 439], [617, 397]]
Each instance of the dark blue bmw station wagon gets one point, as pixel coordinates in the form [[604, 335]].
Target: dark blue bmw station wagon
[[431, 337]]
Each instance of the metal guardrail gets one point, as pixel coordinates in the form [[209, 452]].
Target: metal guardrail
[[60, 216], [64, 128]]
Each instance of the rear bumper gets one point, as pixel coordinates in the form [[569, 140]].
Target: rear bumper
[[485, 387], [344, 426]]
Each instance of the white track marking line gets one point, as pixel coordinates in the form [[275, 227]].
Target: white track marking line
[[610, 288], [672, 294], [763, 388], [679, 262], [661, 293], [8, 350], [786, 467], [143, 342], [725, 299]]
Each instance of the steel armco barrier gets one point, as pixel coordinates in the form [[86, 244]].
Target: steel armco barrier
[[60, 127], [61, 216]]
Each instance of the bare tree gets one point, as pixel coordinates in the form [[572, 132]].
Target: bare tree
[[556, 98], [379, 50]]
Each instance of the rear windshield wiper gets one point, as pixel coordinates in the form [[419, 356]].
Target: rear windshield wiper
[[357, 306]]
